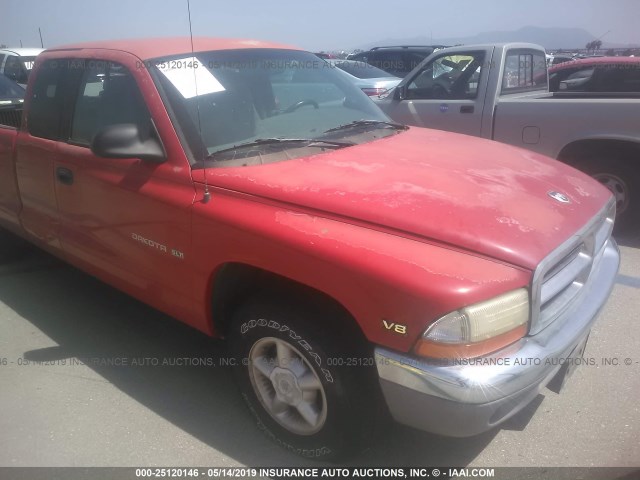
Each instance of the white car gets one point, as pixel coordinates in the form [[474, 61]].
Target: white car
[[17, 63], [555, 59], [371, 80]]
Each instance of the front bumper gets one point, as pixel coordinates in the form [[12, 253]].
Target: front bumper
[[469, 397]]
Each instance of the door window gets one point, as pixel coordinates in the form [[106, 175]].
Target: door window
[[453, 77], [108, 95]]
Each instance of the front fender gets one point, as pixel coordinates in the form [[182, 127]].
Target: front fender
[[375, 275]]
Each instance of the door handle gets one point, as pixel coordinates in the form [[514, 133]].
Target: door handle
[[64, 175], [466, 109]]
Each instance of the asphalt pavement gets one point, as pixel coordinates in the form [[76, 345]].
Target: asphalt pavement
[[82, 384]]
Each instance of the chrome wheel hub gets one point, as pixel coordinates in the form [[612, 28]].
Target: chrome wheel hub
[[287, 386], [618, 187]]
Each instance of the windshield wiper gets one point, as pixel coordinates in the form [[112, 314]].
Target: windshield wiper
[[365, 123], [306, 142]]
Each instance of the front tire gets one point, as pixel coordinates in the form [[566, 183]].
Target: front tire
[[12, 247], [288, 370], [623, 181]]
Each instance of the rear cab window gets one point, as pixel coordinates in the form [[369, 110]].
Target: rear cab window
[[525, 70], [45, 117]]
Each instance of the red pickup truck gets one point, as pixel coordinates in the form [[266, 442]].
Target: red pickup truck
[[353, 263]]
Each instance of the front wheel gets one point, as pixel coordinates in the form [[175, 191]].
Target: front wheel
[[12, 247], [295, 382]]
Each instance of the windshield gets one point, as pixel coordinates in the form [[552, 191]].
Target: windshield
[[227, 98], [17, 68], [9, 89]]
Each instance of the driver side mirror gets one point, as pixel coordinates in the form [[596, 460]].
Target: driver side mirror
[[124, 141], [401, 92]]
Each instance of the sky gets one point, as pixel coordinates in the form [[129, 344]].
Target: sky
[[321, 25]]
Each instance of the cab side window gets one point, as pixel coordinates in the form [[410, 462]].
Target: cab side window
[[108, 95], [452, 77], [524, 71], [47, 100], [620, 79], [388, 61]]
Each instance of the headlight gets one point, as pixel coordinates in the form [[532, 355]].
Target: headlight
[[477, 329]]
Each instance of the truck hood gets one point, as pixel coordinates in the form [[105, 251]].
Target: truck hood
[[466, 192]]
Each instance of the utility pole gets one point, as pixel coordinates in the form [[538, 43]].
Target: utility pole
[[41, 42]]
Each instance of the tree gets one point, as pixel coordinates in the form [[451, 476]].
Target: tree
[[594, 45]]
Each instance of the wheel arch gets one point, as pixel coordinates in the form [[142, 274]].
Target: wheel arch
[[574, 151], [616, 164], [234, 283]]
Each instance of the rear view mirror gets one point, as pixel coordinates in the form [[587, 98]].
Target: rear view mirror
[[124, 141]]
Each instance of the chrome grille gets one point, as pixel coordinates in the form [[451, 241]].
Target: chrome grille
[[561, 276], [11, 116]]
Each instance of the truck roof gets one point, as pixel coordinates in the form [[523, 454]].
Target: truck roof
[[149, 48], [595, 61]]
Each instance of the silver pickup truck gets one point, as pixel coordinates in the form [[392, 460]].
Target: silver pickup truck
[[500, 91]]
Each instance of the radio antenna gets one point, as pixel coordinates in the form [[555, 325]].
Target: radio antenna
[[207, 195]]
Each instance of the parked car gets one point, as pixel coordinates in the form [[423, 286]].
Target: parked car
[[500, 91], [353, 264], [556, 59], [11, 101], [371, 80], [397, 60], [597, 74], [17, 63]]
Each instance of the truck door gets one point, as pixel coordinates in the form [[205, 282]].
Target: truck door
[[37, 151], [446, 93], [126, 220]]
